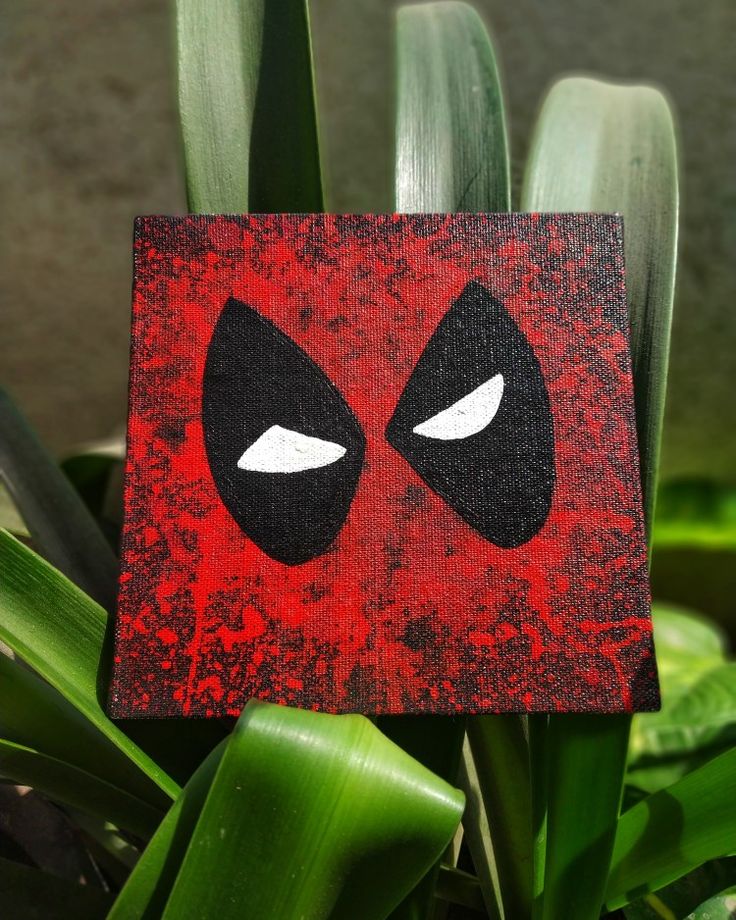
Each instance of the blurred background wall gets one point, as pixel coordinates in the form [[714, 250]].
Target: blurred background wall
[[88, 139]]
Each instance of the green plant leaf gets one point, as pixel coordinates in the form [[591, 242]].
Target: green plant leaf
[[720, 907], [703, 715], [29, 894], [436, 742], [501, 757], [246, 105], [69, 785], [37, 716], [451, 148], [96, 471], [688, 644], [586, 756], [351, 821], [148, 887], [698, 698], [60, 524], [673, 831], [477, 835], [649, 775], [64, 644], [598, 147], [697, 513]]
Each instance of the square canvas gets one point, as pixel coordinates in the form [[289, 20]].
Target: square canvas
[[383, 464]]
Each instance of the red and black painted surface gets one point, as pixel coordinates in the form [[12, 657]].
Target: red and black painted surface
[[382, 464]]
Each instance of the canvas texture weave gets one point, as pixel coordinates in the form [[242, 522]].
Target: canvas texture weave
[[382, 464]]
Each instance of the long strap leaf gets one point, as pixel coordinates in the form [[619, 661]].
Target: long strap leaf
[[501, 756], [36, 715], [673, 831], [351, 821], [149, 885], [246, 105], [451, 148], [605, 148], [59, 631], [62, 528], [69, 785]]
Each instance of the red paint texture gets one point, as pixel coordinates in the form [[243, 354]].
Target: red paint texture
[[411, 610]]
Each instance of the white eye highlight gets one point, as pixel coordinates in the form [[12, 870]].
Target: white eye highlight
[[280, 450], [467, 416]]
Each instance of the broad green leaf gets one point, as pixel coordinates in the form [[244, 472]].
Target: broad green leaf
[[720, 907], [436, 742], [246, 106], [696, 513], [451, 149], [34, 714], [350, 820], [703, 715], [673, 831], [687, 643], [598, 147], [62, 528], [698, 701], [29, 894], [59, 631], [501, 757], [145, 893], [69, 785]]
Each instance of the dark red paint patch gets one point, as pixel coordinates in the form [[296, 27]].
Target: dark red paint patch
[[410, 609]]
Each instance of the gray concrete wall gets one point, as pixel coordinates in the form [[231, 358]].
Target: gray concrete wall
[[88, 139]]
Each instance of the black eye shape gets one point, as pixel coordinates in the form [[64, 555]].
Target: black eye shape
[[474, 421], [284, 448]]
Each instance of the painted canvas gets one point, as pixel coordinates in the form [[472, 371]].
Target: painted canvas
[[382, 464]]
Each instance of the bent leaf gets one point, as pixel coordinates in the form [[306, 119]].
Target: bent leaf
[[351, 821]]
